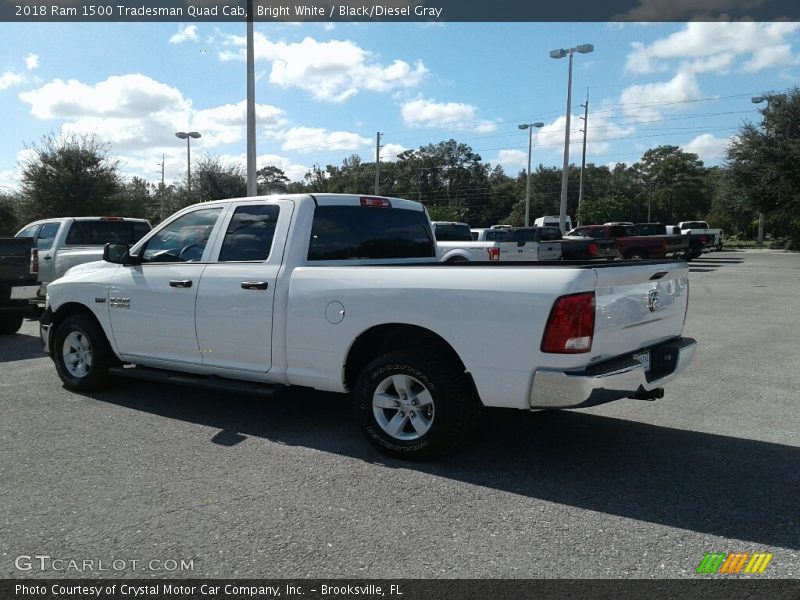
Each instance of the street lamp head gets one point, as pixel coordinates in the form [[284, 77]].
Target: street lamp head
[[560, 53], [757, 99], [193, 134], [585, 48], [525, 126], [538, 124], [182, 135]]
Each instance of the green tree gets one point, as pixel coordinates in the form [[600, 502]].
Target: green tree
[[212, 179], [70, 176], [272, 179], [762, 163], [607, 208], [674, 184], [10, 218]]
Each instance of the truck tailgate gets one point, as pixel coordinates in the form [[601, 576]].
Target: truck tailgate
[[638, 305]]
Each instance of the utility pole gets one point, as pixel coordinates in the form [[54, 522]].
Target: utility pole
[[378, 163], [585, 118]]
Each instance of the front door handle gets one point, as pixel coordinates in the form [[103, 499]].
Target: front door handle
[[255, 285], [182, 283], [47, 257]]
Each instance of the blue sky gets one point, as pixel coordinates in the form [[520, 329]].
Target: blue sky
[[323, 90]]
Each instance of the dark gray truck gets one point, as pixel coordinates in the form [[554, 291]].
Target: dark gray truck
[[19, 269]]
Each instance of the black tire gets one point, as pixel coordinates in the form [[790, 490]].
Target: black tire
[[10, 322], [451, 414], [456, 259], [636, 255], [694, 254], [91, 352]]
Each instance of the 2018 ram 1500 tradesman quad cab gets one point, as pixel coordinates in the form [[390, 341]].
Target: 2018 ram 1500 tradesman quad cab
[[344, 293]]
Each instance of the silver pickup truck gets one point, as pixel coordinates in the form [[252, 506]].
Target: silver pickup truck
[[66, 242]]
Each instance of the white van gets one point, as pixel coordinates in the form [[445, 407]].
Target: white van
[[553, 221]]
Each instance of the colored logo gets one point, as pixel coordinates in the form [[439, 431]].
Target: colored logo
[[734, 563]]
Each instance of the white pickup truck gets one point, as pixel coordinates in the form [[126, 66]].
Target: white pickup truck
[[344, 293], [456, 244], [702, 228], [69, 241]]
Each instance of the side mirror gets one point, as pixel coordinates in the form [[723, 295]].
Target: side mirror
[[118, 253]]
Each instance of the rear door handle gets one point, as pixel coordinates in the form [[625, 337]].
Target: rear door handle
[[255, 285], [181, 283]]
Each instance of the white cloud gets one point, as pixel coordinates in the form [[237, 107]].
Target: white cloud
[[444, 115], [708, 147], [10, 79], [294, 171], [306, 140], [646, 102], [138, 116], [512, 161], [762, 45], [331, 71], [117, 96], [31, 62], [389, 152], [185, 34]]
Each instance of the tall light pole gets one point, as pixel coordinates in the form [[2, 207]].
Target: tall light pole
[[252, 182], [561, 53], [188, 137], [529, 127]]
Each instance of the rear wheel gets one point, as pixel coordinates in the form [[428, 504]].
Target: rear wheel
[[456, 259], [414, 405], [636, 255], [82, 353], [10, 322]]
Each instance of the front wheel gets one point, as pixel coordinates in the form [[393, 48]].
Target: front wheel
[[414, 405], [82, 354], [10, 322]]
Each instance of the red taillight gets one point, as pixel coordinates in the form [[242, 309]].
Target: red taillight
[[570, 327], [375, 202], [592, 249], [34, 261], [494, 253]]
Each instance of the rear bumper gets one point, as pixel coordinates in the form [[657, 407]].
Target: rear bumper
[[621, 377]]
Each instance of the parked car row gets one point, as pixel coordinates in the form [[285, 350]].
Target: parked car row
[[632, 241], [458, 243]]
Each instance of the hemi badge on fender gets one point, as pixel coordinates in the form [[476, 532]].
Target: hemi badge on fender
[[100, 300]]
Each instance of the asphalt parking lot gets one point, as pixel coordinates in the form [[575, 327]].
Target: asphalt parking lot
[[286, 488]]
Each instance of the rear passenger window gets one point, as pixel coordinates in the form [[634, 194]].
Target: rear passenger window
[[355, 232], [250, 233], [47, 235]]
